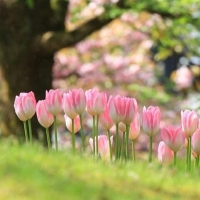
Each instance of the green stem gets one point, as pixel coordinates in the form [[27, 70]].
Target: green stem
[[30, 131], [117, 142], [189, 153], [133, 150], [175, 156], [82, 133], [110, 146], [96, 132], [187, 158], [73, 137], [127, 141], [48, 139], [93, 134], [197, 162], [150, 148], [26, 132], [55, 132], [121, 155]]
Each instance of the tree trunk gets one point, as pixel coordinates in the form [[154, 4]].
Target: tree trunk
[[24, 69]]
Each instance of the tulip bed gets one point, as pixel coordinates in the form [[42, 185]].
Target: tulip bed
[[118, 111], [110, 169]]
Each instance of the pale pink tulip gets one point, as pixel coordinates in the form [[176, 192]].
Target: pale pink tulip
[[44, 117], [103, 146], [54, 101], [25, 105], [96, 102], [130, 110], [151, 117], [105, 120], [19, 109], [122, 127], [135, 127], [68, 106], [173, 137], [189, 122], [77, 100], [68, 122], [117, 106], [165, 154], [196, 141]]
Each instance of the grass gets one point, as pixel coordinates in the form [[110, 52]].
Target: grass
[[33, 173]]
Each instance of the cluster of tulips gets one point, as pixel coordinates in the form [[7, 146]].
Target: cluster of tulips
[[121, 112]]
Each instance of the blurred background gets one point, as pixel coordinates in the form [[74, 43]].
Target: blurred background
[[149, 50]]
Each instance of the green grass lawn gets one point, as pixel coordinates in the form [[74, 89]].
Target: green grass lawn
[[33, 173]]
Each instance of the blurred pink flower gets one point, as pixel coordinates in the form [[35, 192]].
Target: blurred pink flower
[[105, 120], [117, 107], [44, 117], [151, 117], [183, 78], [25, 106], [135, 127], [53, 101], [165, 154], [173, 137], [196, 141], [103, 146], [68, 122], [130, 110], [189, 122], [96, 102]]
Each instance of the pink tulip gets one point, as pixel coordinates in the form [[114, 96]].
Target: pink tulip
[[96, 102], [25, 106], [189, 121], [103, 146], [196, 141], [105, 120], [135, 127], [68, 106], [117, 108], [77, 100], [174, 138], [130, 110], [165, 154], [54, 101], [44, 117], [122, 127], [151, 120], [68, 122]]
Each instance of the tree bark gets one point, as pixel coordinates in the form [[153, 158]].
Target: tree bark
[[26, 59]]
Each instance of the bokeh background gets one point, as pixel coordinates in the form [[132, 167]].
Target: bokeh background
[[148, 50]]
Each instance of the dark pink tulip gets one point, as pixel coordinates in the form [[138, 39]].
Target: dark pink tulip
[[105, 120], [44, 117], [103, 146], [189, 122], [196, 141], [117, 108], [165, 154], [135, 127], [130, 109], [25, 105], [54, 101], [151, 117], [96, 102], [173, 137], [68, 106], [68, 122]]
